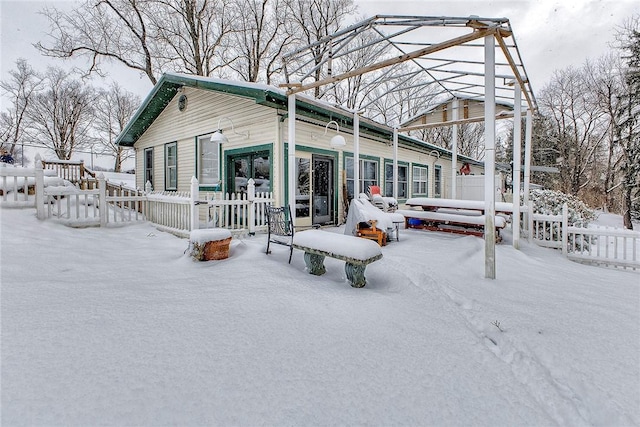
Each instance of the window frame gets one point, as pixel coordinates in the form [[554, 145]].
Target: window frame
[[388, 185], [147, 174], [415, 180], [167, 167], [437, 181], [200, 163], [363, 187]]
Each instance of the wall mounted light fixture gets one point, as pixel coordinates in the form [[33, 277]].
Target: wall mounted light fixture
[[338, 140], [218, 137]]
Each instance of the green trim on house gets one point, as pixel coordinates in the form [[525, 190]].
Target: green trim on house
[[169, 84], [248, 150], [215, 188], [166, 175], [145, 168], [336, 173], [388, 161], [419, 165], [349, 155], [362, 156], [435, 194]]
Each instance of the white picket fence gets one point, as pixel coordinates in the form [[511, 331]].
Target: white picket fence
[[99, 203], [593, 245], [14, 184]]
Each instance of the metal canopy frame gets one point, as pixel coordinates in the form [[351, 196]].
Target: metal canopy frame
[[473, 56], [414, 50]]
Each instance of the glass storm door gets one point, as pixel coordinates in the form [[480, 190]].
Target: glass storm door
[[323, 210], [241, 168]]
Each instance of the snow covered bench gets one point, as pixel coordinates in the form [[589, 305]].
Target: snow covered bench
[[451, 222], [357, 253]]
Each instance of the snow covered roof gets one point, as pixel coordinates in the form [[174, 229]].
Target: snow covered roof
[[506, 106]]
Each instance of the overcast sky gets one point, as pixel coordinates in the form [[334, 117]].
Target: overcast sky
[[551, 34]]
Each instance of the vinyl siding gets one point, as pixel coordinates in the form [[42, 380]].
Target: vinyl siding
[[204, 110]]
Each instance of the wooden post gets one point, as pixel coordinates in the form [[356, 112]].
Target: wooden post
[[39, 188], [102, 200], [291, 142], [251, 196], [565, 229], [515, 182], [195, 196], [454, 149], [147, 187], [490, 153], [527, 159], [530, 220], [356, 156], [395, 163]]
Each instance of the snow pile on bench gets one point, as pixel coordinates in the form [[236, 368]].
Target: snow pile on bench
[[338, 244], [472, 220], [361, 210]]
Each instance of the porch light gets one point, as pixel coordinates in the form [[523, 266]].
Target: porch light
[[338, 140], [218, 136], [437, 155]]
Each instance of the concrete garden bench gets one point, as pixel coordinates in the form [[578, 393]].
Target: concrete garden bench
[[355, 252]]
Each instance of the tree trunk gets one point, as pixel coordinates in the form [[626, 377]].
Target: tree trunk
[[626, 215], [117, 166]]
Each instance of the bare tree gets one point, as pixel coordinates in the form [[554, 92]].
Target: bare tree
[[20, 89], [114, 108], [62, 113], [314, 20], [606, 82], [106, 30], [192, 35], [262, 33], [628, 124], [578, 123]]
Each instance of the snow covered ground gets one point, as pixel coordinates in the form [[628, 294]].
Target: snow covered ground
[[118, 326]]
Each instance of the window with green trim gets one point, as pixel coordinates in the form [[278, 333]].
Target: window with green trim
[[208, 161], [148, 166], [368, 175], [171, 166], [420, 180], [402, 180], [437, 181]]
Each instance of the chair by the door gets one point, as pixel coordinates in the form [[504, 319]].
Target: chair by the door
[[280, 228]]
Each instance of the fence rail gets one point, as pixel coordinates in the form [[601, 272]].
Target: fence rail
[[96, 202], [14, 186], [605, 246], [170, 212], [595, 245]]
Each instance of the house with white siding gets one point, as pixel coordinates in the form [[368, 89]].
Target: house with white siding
[[176, 134]]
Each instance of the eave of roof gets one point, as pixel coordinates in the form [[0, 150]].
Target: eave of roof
[[446, 101], [169, 84]]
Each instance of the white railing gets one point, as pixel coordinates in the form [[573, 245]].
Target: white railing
[[14, 185], [97, 203], [604, 246], [238, 211], [169, 211], [547, 230], [89, 207], [72, 206], [594, 245]]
